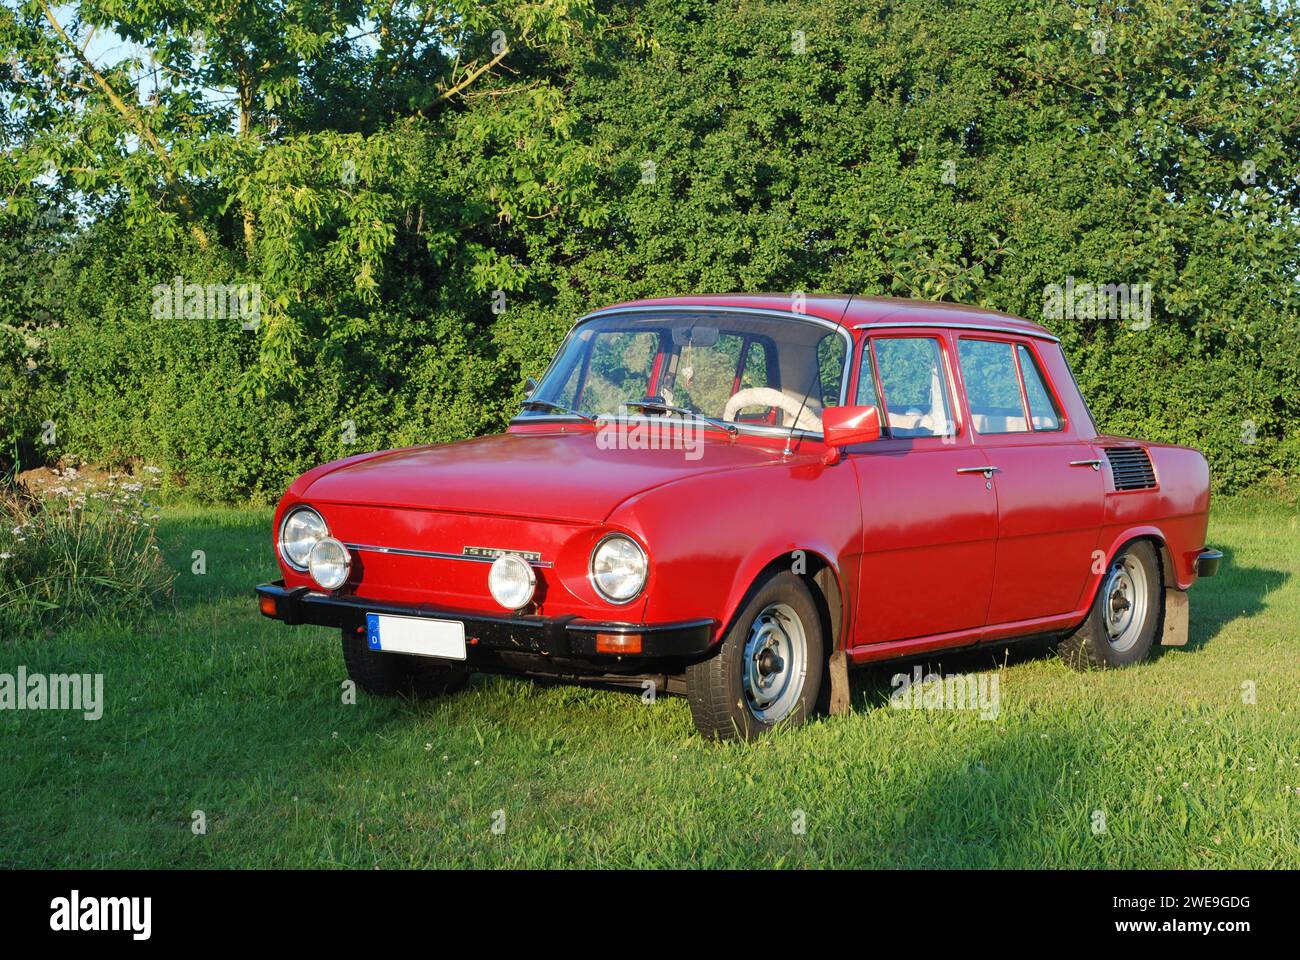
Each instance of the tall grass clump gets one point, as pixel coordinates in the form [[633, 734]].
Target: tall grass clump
[[79, 548]]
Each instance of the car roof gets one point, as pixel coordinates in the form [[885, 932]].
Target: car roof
[[855, 312]]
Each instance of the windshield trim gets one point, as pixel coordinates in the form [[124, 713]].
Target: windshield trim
[[761, 430]]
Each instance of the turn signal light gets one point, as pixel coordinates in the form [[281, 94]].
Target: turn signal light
[[618, 643], [266, 605]]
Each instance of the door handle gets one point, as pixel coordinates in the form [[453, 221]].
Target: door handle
[[987, 471], [1095, 464]]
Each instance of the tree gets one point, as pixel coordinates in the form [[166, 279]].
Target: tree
[[313, 138]]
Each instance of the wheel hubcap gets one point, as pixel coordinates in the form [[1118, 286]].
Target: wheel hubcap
[[776, 661], [1125, 598]]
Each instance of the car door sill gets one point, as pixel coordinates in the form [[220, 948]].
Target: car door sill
[[964, 639]]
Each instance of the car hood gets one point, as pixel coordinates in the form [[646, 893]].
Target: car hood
[[554, 475]]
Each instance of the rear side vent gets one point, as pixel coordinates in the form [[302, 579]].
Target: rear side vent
[[1131, 467]]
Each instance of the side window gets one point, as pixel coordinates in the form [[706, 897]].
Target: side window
[[1043, 412], [912, 383], [992, 389]]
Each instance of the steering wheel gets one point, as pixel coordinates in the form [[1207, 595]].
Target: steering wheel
[[770, 397]]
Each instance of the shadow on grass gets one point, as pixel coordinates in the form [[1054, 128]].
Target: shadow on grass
[[1236, 592], [991, 805], [872, 684]]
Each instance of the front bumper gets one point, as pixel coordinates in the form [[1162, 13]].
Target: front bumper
[[1207, 563], [567, 638]]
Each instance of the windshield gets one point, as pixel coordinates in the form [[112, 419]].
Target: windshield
[[748, 369]]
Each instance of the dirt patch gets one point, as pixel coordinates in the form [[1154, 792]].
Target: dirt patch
[[42, 480]]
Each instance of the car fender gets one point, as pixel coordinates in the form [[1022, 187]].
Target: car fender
[[1176, 619], [802, 560], [1110, 547]]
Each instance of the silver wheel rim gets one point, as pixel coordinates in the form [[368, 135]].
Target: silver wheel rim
[[1125, 600], [776, 662]]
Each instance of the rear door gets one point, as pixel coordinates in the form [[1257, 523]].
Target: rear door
[[929, 516], [1047, 480]]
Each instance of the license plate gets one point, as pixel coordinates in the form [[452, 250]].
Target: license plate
[[418, 635]]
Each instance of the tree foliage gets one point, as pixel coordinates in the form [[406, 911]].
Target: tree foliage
[[387, 172]]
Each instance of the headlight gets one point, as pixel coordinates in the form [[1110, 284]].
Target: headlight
[[329, 563], [299, 532], [618, 568], [511, 581]]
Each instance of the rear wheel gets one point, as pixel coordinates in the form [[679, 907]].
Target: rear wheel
[[398, 674], [769, 668], [1125, 615]]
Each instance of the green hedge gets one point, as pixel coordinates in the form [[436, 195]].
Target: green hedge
[[975, 151], [121, 384]]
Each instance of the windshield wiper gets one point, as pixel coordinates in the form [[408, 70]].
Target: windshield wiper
[[658, 404], [559, 408]]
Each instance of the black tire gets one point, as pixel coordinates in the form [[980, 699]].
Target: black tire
[[398, 674], [1092, 646], [717, 689]]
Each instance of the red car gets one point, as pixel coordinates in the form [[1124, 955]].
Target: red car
[[739, 497]]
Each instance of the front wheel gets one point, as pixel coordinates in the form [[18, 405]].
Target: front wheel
[[393, 674], [1125, 615], [768, 669]]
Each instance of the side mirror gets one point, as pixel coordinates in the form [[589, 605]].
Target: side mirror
[[842, 426], [529, 386]]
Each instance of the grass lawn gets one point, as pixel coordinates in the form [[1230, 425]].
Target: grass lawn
[[209, 707]]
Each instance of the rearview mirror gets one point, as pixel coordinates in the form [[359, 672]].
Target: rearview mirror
[[842, 426], [696, 335]]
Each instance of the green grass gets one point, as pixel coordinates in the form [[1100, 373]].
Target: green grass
[[211, 708]]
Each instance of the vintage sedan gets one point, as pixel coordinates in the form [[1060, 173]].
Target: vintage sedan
[[738, 498]]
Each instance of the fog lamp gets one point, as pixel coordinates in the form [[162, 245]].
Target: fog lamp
[[511, 581], [329, 563]]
